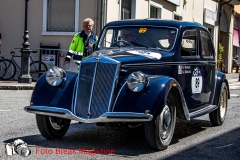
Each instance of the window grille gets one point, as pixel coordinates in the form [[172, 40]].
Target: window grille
[[126, 9], [61, 15], [176, 17], [153, 12]]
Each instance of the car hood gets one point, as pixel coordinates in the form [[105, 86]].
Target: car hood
[[133, 55]]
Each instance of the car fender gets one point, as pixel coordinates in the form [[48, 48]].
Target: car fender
[[151, 99], [220, 78], [61, 96]]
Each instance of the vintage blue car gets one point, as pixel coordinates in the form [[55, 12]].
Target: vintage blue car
[[143, 72]]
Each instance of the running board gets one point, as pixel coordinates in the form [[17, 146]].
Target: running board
[[202, 111]]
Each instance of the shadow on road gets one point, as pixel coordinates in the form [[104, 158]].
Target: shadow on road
[[225, 146], [124, 141]]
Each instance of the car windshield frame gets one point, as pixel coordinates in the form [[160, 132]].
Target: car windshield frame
[[145, 36]]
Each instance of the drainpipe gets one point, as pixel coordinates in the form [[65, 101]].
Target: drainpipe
[[102, 15], [219, 17]]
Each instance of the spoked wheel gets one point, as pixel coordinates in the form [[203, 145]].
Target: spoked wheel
[[2, 68], [159, 132], [218, 116], [52, 127], [37, 69], [10, 70]]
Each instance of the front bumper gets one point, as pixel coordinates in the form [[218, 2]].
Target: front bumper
[[104, 118]]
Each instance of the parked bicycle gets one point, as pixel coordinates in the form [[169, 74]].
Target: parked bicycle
[[8, 68]]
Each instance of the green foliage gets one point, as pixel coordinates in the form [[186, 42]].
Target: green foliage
[[219, 59]]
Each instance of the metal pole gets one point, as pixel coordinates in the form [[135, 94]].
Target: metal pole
[[25, 52]]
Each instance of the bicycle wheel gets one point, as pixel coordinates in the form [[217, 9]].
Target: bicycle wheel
[[10, 70], [2, 68], [37, 69]]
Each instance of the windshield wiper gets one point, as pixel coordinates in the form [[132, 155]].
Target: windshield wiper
[[139, 44]]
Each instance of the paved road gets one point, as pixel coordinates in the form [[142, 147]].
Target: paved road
[[192, 140]]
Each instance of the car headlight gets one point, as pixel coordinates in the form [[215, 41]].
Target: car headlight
[[136, 81], [55, 76]]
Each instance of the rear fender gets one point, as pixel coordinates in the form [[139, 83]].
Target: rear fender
[[47, 95], [221, 77], [152, 98]]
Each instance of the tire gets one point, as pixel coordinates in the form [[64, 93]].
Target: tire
[[37, 69], [218, 116], [52, 127], [159, 132], [10, 70], [2, 68]]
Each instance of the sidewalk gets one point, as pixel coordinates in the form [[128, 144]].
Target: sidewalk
[[14, 85]]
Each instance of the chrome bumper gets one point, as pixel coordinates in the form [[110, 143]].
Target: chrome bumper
[[106, 117]]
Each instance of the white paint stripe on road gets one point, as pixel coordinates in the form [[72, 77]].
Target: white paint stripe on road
[[234, 87], [234, 95], [237, 83], [7, 110]]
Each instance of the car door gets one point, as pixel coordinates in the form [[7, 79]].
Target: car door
[[190, 72], [208, 67]]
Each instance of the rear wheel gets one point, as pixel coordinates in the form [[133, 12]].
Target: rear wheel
[[218, 116], [37, 69], [159, 132], [52, 127], [10, 70]]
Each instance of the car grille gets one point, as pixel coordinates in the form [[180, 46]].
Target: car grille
[[96, 83]]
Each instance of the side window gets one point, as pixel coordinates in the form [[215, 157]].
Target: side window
[[189, 43], [108, 39], [206, 44]]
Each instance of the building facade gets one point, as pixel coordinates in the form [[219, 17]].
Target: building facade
[[53, 22]]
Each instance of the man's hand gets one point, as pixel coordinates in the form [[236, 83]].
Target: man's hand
[[65, 62]]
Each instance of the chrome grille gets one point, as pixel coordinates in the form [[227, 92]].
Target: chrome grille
[[95, 87]]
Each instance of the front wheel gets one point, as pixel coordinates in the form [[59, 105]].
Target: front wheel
[[159, 132], [218, 116], [37, 69], [52, 127]]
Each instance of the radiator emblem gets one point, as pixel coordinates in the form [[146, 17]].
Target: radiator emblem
[[97, 59]]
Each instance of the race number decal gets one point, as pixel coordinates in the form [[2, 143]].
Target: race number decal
[[196, 81]]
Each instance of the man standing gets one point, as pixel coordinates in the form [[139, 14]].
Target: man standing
[[83, 43]]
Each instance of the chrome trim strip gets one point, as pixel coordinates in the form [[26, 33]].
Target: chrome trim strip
[[106, 117], [118, 95], [90, 98], [74, 99], [203, 111]]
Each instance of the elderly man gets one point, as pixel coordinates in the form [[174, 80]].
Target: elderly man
[[82, 44], [128, 35]]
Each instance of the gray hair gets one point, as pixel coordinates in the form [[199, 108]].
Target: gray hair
[[88, 20]]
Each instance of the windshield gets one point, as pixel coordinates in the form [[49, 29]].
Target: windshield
[[150, 37]]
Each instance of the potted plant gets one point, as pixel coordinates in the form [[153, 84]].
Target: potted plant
[[220, 64]]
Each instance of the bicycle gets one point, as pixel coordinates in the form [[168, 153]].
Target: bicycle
[[2, 67], [8, 68]]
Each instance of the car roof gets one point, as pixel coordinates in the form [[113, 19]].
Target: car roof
[[154, 22]]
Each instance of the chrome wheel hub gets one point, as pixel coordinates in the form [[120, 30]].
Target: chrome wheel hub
[[222, 104], [55, 125], [166, 122]]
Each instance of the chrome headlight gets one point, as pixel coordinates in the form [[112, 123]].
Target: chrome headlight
[[136, 81], [55, 76]]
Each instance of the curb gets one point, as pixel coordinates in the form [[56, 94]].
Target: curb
[[16, 87]]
